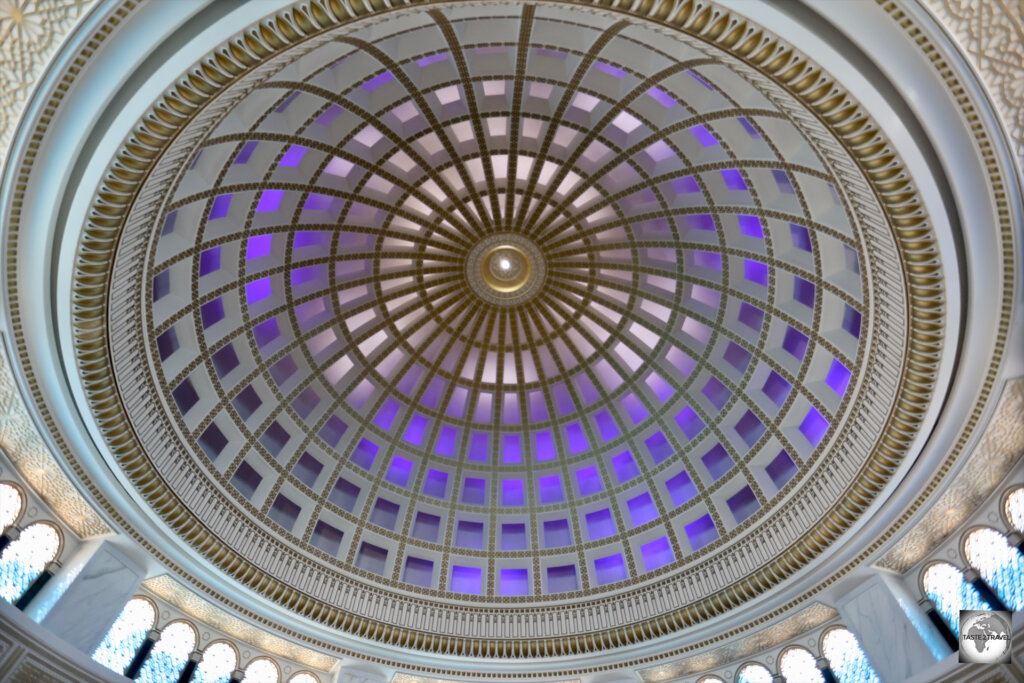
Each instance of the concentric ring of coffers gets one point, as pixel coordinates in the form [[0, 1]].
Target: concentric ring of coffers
[[697, 342]]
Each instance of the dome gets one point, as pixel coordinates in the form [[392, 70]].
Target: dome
[[511, 334]]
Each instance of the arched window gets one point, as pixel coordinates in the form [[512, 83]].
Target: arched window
[[262, 670], [1000, 564], [26, 557], [711, 679], [303, 677], [11, 503], [1015, 509], [169, 655], [219, 660], [797, 665], [945, 586], [847, 661], [122, 641], [754, 673]]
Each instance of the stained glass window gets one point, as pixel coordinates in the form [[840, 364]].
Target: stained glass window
[[754, 673], [945, 586], [219, 660], [1015, 509], [999, 563], [25, 558], [122, 641], [10, 505], [797, 665], [847, 661], [169, 655], [261, 670], [303, 678]]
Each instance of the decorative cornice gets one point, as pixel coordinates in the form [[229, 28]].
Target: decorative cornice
[[805, 81]]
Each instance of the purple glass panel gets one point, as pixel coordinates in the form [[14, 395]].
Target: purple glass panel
[[751, 316], [315, 273], [800, 236], [474, 491], [606, 425], [749, 127], [776, 388], [838, 377], [258, 246], [469, 534], [283, 369], [511, 450], [221, 206], [755, 271], [795, 342], [327, 118], [814, 426], [803, 291], [266, 332], [378, 80], [577, 439], [600, 524], [246, 480], [436, 484], [257, 290], [293, 157], [247, 402], [641, 509], [609, 569], [743, 504], [318, 202], [212, 441], [550, 489], [287, 100], [545, 445], [432, 59], [185, 395], [700, 80], [562, 579], [751, 226], [733, 179], [209, 261], [704, 136], [562, 398], [662, 389], [717, 461], [344, 494], [384, 514], [701, 531], [168, 226], [851, 320], [426, 527], [387, 414], [446, 440], [414, 432], [716, 392], [708, 259], [372, 558], [662, 97], [736, 356], [418, 572], [332, 431], [514, 582], [513, 537], [557, 534], [658, 446], [689, 422], [307, 470], [589, 481], [326, 537], [247, 149], [781, 469], [479, 446], [609, 69], [167, 343], [635, 408], [686, 185], [274, 438], [224, 360], [705, 222], [466, 579], [656, 554], [783, 181], [624, 466], [546, 52], [212, 312], [364, 454], [750, 428], [680, 488]]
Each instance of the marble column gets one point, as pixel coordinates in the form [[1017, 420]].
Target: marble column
[[894, 633], [85, 598]]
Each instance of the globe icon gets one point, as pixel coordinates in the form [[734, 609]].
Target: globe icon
[[984, 637]]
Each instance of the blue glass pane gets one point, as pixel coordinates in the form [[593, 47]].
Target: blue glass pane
[[999, 563], [122, 641], [24, 559], [219, 661], [847, 661], [945, 586], [169, 655], [754, 673]]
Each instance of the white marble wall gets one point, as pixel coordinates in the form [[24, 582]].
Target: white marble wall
[[893, 630], [83, 599]]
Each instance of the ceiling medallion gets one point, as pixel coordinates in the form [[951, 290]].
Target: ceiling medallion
[[606, 445], [505, 269]]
